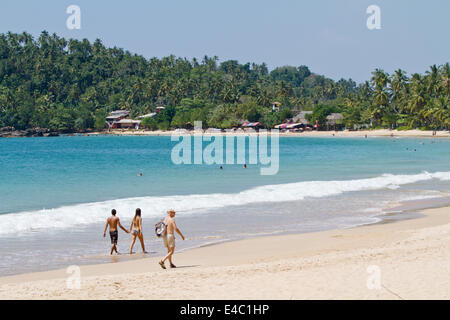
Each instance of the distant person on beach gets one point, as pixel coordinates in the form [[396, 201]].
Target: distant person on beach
[[113, 222], [169, 238], [136, 231]]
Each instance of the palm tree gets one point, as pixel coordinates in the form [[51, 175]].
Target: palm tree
[[380, 80], [432, 81], [264, 98], [284, 89], [445, 79], [417, 99], [399, 90]]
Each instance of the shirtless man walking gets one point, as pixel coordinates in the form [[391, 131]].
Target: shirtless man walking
[[112, 222], [169, 238]]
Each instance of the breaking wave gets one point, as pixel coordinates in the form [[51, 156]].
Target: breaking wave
[[154, 207]]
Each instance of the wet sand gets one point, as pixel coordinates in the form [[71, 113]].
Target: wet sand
[[408, 259]]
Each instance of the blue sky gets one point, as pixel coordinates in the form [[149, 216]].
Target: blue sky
[[329, 36]]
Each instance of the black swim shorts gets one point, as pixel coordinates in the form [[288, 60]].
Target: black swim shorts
[[114, 237]]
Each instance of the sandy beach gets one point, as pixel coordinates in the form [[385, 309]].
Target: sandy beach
[[345, 133], [408, 259]]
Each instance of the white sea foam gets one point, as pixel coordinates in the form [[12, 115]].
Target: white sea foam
[[87, 213]]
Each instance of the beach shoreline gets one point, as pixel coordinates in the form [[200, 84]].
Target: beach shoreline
[[331, 264], [392, 213], [346, 133]]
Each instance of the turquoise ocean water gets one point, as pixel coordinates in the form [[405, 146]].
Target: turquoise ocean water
[[56, 192]]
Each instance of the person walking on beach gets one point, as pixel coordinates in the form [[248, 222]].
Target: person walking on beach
[[113, 222], [169, 238], [136, 231]]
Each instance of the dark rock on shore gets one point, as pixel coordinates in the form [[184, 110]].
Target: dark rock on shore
[[7, 129], [51, 134], [7, 132]]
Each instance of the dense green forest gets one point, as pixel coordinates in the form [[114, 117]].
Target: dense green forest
[[71, 85]]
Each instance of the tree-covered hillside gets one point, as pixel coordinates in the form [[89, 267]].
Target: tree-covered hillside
[[71, 85]]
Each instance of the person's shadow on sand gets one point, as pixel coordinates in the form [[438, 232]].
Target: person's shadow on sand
[[181, 267]]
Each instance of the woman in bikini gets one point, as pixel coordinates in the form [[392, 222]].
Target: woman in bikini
[[136, 231]]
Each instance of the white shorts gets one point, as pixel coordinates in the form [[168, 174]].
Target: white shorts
[[169, 241]]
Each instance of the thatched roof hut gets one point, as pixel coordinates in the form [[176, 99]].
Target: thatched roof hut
[[335, 118], [301, 117]]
